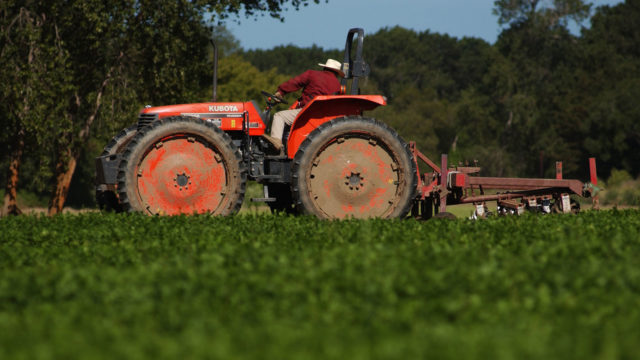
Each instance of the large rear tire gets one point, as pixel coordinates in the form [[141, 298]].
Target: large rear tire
[[354, 167], [107, 199], [181, 165]]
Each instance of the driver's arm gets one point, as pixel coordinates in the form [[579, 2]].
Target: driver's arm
[[294, 84]]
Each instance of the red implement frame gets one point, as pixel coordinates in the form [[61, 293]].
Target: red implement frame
[[456, 185]]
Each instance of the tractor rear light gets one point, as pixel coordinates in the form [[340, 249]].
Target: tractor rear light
[[456, 179]]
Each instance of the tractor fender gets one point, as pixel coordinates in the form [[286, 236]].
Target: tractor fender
[[325, 108]]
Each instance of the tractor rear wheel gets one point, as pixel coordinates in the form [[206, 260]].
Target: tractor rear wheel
[[354, 167], [181, 165], [108, 199]]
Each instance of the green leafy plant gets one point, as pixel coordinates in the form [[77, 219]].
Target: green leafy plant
[[263, 286]]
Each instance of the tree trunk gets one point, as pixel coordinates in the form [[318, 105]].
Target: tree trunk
[[10, 206], [64, 173], [11, 190]]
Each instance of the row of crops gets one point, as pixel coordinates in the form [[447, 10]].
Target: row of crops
[[262, 286]]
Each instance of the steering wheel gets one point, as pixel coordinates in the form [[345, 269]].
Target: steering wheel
[[275, 97]]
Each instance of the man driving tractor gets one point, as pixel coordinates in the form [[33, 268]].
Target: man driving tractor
[[313, 83]]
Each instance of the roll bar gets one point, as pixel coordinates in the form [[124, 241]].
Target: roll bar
[[354, 68]]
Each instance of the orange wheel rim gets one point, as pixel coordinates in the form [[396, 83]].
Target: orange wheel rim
[[354, 176], [181, 174]]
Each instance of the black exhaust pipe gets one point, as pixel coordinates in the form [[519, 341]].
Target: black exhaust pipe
[[214, 98]]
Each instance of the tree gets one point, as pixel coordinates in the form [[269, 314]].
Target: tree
[[26, 106], [240, 81], [609, 86], [290, 60], [127, 53], [223, 8], [424, 76], [550, 14], [538, 57]]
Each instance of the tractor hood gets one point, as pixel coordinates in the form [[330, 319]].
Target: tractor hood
[[199, 109], [227, 116]]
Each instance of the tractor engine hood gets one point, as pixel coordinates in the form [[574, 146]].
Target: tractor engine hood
[[228, 116], [206, 109]]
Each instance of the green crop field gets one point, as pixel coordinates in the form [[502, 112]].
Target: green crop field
[[95, 286]]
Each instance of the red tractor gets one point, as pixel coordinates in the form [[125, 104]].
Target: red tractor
[[197, 158]]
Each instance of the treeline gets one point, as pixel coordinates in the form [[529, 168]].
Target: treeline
[[76, 72], [538, 95]]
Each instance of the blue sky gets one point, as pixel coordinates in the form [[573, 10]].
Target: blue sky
[[326, 24]]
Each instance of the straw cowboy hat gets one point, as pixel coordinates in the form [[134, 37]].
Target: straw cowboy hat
[[333, 65]]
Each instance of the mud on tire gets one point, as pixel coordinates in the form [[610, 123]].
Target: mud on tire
[[354, 167], [181, 165]]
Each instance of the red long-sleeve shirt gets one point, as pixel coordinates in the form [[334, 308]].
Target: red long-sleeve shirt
[[313, 83]]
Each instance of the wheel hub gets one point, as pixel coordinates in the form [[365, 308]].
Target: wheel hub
[[354, 177], [354, 181], [182, 180]]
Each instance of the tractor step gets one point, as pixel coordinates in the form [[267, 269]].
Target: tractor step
[[276, 157], [265, 199], [267, 177]]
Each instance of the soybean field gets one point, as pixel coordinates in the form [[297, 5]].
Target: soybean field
[[261, 286]]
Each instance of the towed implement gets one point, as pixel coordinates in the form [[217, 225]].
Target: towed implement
[[458, 185], [337, 163]]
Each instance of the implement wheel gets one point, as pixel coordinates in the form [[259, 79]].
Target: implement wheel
[[108, 199], [181, 165], [354, 167]]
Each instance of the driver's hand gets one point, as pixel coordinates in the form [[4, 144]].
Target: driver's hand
[[278, 94]]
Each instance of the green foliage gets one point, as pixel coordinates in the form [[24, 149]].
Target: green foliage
[[556, 14], [34, 75], [249, 287], [625, 194], [531, 94], [238, 80], [401, 58], [290, 60], [609, 78], [539, 91], [618, 177], [621, 190], [221, 9], [76, 72], [225, 41], [29, 200]]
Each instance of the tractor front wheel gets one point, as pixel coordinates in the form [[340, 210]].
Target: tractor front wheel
[[107, 199], [181, 165], [354, 167]]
